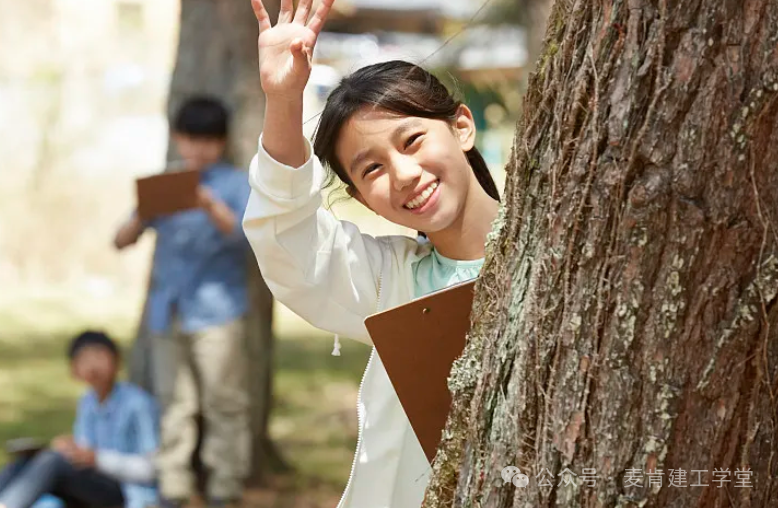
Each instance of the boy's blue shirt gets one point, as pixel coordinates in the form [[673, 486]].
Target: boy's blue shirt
[[126, 422], [198, 272]]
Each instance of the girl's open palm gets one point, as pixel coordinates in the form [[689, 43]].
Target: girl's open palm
[[286, 50]]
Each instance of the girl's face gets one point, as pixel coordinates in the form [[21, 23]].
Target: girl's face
[[412, 171]]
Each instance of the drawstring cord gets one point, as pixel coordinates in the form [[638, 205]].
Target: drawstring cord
[[336, 346]]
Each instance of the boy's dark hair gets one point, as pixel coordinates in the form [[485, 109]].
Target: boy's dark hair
[[91, 338], [399, 87], [202, 116]]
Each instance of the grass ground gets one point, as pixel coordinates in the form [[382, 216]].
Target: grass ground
[[313, 424]]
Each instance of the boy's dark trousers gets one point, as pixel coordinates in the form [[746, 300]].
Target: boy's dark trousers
[[48, 472]]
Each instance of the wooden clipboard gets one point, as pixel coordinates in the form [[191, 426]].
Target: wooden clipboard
[[167, 193], [417, 343]]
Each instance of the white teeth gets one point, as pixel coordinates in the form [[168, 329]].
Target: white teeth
[[423, 197]]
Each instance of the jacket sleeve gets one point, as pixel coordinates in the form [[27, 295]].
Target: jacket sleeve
[[136, 464], [322, 268]]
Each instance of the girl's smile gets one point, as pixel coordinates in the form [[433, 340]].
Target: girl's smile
[[422, 201]]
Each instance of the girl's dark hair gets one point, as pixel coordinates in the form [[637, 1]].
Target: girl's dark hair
[[399, 87]]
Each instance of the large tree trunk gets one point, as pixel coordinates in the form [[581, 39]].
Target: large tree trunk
[[625, 318], [217, 54]]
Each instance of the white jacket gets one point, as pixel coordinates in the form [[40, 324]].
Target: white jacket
[[333, 276]]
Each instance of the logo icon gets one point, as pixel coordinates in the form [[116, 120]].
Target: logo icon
[[512, 474]]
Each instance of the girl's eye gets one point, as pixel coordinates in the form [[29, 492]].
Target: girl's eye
[[370, 169], [411, 140]]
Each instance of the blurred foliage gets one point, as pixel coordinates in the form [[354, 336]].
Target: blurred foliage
[[512, 12]]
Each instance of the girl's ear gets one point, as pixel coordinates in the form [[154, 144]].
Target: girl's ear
[[465, 128]]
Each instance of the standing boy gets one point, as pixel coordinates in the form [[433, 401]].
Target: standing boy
[[196, 311]]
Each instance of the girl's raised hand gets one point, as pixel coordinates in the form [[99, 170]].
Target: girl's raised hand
[[286, 50]]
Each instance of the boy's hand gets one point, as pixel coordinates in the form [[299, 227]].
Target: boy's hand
[[219, 213], [76, 455], [63, 444], [128, 233], [204, 197], [82, 457], [286, 50]]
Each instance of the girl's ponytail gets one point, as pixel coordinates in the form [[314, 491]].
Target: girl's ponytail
[[482, 173]]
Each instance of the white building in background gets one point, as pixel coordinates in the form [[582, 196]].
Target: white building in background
[[436, 33]]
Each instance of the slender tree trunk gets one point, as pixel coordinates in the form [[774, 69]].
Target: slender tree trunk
[[217, 54], [626, 318]]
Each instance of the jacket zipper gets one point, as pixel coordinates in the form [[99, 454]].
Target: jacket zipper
[[359, 399]]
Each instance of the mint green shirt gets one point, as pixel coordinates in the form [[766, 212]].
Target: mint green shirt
[[434, 272]]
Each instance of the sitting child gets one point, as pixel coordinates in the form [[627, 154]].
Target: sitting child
[[109, 460]]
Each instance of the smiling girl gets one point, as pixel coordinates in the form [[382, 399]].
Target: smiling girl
[[404, 148]]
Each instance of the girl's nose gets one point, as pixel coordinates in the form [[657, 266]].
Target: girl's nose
[[405, 173]]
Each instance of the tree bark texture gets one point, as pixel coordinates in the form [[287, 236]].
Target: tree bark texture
[[217, 55], [626, 315]]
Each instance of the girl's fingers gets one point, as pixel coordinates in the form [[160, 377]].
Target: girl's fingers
[[309, 55], [317, 20], [285, 15], [261, 14], [296, 46], [303, 8], [300, 55]]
